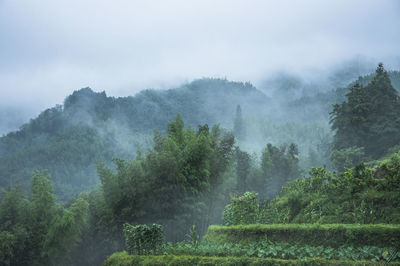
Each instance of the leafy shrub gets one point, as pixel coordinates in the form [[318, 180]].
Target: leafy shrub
[[357, 196], [242, 210], [142, 239], [193, 236], [391, 170]]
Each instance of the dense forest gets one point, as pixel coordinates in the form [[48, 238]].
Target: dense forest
[[87, 178]]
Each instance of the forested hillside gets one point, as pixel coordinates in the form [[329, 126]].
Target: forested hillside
[[207, 132], [90, 127], [318, 104], [349, 217], [208, 152]]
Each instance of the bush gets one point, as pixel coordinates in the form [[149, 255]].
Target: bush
[[242, 210], [391, 170], [358, 195], [143, 240]]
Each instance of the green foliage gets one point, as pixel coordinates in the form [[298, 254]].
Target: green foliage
[[171, 183], [123, 259], [330, 235], [69, 139], [242, 210], [43, 210], [347, 157], [309, 134], [36, 230], [243, 161], [187, 176], [370, 117], [264, 248], [278, 165], [144, 240], [65, 232], [393, 75], [359, 195], [194, 237], [391, 170], [178, 183], [101, 236], [13, 208], [7, 243]]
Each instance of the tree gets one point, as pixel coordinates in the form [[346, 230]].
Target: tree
[[13, 207], [279, 165], [65, 232], [238, 125], [172, 182], [220, 161], [370, 118], [242, 169], [347, 158], [7, 245], [35, 230], [43, 210], [14, 236]]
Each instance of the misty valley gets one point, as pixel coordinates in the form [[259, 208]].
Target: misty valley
[[211, 172]]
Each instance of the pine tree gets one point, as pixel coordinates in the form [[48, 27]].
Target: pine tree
[[238, 125], [384, 118], [370, 118]]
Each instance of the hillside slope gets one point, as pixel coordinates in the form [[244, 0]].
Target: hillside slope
[[69, 139]]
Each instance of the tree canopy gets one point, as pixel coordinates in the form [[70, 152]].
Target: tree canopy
[[370, 118]]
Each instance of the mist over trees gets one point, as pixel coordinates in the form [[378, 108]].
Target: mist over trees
[[199, 133], [69, 139], [173, 181], [238, 125], [177, 157]]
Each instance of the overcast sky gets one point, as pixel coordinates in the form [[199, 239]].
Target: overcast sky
[[49, 48]]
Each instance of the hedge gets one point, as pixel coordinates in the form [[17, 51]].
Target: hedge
[[123, 259], [142, 239], [332, 235]]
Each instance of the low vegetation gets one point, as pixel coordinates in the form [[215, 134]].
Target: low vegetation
[[123, 259]]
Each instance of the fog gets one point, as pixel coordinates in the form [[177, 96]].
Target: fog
[[254, 83], [50, 48]]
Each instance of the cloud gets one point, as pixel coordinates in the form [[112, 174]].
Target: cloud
[[50, 48]]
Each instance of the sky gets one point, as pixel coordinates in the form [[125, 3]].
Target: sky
[[49, 48]]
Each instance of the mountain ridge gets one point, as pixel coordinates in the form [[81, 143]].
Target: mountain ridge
[[90, 126]]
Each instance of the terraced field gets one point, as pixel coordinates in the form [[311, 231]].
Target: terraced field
[[280, 244]]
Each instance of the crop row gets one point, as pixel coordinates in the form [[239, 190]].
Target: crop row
[[333, 235], [123, 259], [266, 249]]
